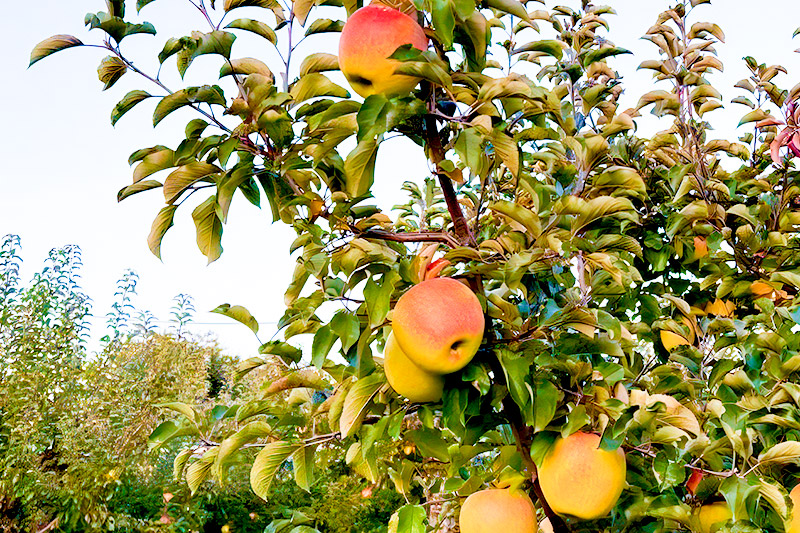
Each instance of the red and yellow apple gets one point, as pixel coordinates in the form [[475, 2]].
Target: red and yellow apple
[[710, 514], [369, 37], [498, 511], [581, 480], [439, 325], [406, 378]]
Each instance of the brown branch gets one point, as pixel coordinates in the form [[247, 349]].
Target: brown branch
[[436, 153], [415, 236], [522, 436]]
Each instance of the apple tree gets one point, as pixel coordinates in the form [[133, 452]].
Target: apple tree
[[639, 289]]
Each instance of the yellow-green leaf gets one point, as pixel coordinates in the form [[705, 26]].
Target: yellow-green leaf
[[266, 465], [52, 45]]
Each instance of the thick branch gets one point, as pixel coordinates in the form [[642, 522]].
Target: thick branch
[[523, 436], [436, 153]]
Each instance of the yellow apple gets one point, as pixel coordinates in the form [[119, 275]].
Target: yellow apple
[[406, 378], [498, 511], [710, 514], [369, 37], [794, 525], [439, 325], [581, 480]]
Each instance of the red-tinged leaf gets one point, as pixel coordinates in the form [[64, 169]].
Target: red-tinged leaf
[[771, 121], [775, 146], [51, 45], [794, 144]]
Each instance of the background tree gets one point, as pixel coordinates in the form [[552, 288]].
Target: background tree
[[633, 287]]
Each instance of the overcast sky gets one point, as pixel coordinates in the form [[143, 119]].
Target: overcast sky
[[63, 163]]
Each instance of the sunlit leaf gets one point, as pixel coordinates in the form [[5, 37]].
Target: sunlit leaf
[[238, 313], [266, 465]]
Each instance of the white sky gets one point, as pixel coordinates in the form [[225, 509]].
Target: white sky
[[63, 163]]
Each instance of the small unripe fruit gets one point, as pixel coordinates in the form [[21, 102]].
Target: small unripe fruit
[[497, 511], [369, 37]]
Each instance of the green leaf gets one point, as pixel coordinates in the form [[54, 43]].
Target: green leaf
[[110, 70], [520, 214], [182, 408], [209, 228], [593, 56], [314, 85], [325, 26], [116, 27], [210, 94], [411, 519], [507, 149], [346, 326], [141, 3], [239, 314], [549, 47], [233, 4], [303, 466], [512, 7], [430, 443], [255, 26], [247, 434], [161, 224], [51, 45], [782, 453], [285, 351], [356, 401], [179, 464], [199, 471], [378, 298], [127, 103], [324, 339], [544, 404], [185, 176], [319, 62], [444, 21], [162, 434], [140, 186], [159, 158], [359, 167], [266, 465], [301, 8], [216, 42]]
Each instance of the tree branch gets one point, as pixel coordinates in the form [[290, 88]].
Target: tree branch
[[416, 236], [436, 153]]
